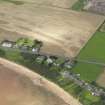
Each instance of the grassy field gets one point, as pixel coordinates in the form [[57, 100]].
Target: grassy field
[[93, 51], [78, 6], [95, 48], [88, 72]]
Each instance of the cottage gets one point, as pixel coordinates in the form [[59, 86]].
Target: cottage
[[49, 60], [7, 44], [68, 65], [35, 50], [97, 6], [59, 62], [40, 58], [24, 48], [65, 74]]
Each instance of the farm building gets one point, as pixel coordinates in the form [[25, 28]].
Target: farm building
[[7, 44], [97, 6]]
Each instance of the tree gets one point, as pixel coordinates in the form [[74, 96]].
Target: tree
[[2, 53]]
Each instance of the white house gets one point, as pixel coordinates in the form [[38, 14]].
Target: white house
[[49, 60], [7, 44], [35, 50]]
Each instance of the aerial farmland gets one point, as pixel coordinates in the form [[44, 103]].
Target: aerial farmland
[[62, 41], [71, 30]]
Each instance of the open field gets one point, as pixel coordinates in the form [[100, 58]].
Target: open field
[[16, 89], [4, 34], [93, 51], [88, 72], [34, 88], [63, 31]]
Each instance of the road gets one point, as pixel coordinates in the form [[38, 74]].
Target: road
[[90, 62]]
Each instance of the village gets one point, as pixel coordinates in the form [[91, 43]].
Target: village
[[97, 6], [29, 46]]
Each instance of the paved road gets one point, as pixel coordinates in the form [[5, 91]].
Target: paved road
[[90, 62]]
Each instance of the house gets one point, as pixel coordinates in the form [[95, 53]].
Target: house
[[65, 74], [24, 48], [7, 44], [15, 46], [97, 6], [35, 50], [59, 62], [40, 58], [68, 65], [49, 60]]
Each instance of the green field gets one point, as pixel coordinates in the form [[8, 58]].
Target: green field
[[88, 99], [88, 72], [93, 51], [78, 6], [16, 2], [95, 48]]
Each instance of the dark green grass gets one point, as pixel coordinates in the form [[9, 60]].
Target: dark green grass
[[78, 6], [13, 1], [93, 51], [88, 99], [88, 72]]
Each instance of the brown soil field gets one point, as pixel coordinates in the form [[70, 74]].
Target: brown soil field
[[101, 80], [63, 31], [20, 86]]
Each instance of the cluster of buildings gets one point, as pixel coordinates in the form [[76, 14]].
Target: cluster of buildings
[[23, 48], [45, 59], [97, 6], [53, 61], [95, 91]]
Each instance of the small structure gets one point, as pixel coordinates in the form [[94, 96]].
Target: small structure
[[24, 48], [59, 62], [40, 59], [35, 50], [7, 44], [49, 60], [97, 6], [65, 74], [68, 65]]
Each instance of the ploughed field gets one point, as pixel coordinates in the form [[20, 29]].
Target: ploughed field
[[18, 89], [63, 31]]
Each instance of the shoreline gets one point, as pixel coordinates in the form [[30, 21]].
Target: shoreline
[[41, 81]]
